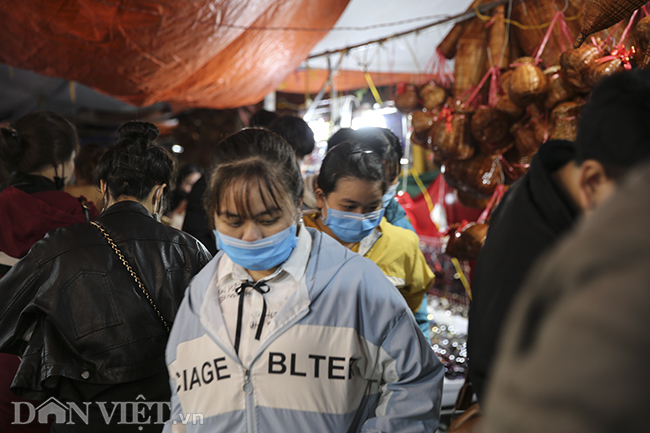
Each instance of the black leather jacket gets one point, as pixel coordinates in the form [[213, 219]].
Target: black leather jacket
[[87, 318]]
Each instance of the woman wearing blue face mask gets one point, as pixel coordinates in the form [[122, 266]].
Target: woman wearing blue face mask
[[287, 330], [351, 184], [386, 144]]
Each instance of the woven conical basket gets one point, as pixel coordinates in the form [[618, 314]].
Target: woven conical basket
[[601, 14]]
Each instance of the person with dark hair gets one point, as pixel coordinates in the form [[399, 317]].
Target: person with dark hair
[[85, 174], [351, 184], [533, 214], [613, 138], [188, 176], [90, 306], [574, 352], [386, 144], [38, 151], [309, 197], [287, 330], [297, 133], [343, 134], [196, 221], [262, 118]]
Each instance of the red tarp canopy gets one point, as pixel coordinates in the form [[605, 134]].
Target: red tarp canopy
[[201, 53]]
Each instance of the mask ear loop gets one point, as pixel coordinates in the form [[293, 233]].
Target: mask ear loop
[[158, 205], [322, 216]]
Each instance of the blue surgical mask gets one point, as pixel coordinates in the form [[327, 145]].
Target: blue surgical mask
[[390, 194], [350, 226], [262, 254]]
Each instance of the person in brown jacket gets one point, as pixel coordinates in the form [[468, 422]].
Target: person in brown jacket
[[574, 353]]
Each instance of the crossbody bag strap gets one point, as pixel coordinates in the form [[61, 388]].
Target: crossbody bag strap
[[86, 208], [133, 274]]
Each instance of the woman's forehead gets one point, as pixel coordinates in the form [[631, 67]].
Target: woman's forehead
[[357, 186]]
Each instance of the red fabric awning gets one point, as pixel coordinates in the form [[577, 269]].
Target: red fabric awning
[[201, 53]]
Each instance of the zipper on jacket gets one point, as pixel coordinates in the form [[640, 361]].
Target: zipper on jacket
[[250, 402]]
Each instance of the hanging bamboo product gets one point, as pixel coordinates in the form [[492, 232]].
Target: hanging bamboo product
[[470, 64], [448, 47], [518, 162], [497, 37], [576, 62], [407, 98], [541, 127], [496, 148], [642, 36], [528, 83], [422, 121], [466, 242], [449, 137], [526, 140], [471, 201], [490, 128], [601, 69], [415, 139], [432, 95], [504, 80], [559, 90], [478, 176], [505, 105], [602, 14], [534, 15], [564, 119]]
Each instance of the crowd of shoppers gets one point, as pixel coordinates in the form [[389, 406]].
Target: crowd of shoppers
[[283, 303]]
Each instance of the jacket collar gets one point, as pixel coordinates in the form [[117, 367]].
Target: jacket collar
[[126, 206], [369, 241], [552, 203], [32, 183], [327, 257]]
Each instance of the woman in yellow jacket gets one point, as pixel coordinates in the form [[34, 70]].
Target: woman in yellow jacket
[[349, 193]]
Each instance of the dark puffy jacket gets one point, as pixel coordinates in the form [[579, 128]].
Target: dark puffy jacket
[[84, 316], [533, 214]]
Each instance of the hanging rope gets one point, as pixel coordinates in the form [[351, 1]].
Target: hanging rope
[[373, 89], [522, 26]]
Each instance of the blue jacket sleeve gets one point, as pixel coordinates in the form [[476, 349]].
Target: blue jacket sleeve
[[411, 389]]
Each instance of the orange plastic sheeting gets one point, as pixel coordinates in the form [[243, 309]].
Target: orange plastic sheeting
[[312, 80], [200, 53]]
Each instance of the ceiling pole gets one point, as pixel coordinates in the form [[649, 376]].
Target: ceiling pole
[[319, 97], [453, 19], [335, 109]]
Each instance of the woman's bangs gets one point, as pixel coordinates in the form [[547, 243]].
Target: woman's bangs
[[238, 192]]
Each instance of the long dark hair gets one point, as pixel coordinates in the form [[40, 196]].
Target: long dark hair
[[248, 159], [135, 164], [37, 140]]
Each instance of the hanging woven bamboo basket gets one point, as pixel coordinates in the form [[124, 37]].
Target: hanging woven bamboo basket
[[601, 14]]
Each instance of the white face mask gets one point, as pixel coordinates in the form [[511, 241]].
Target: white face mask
[[390, 194]]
